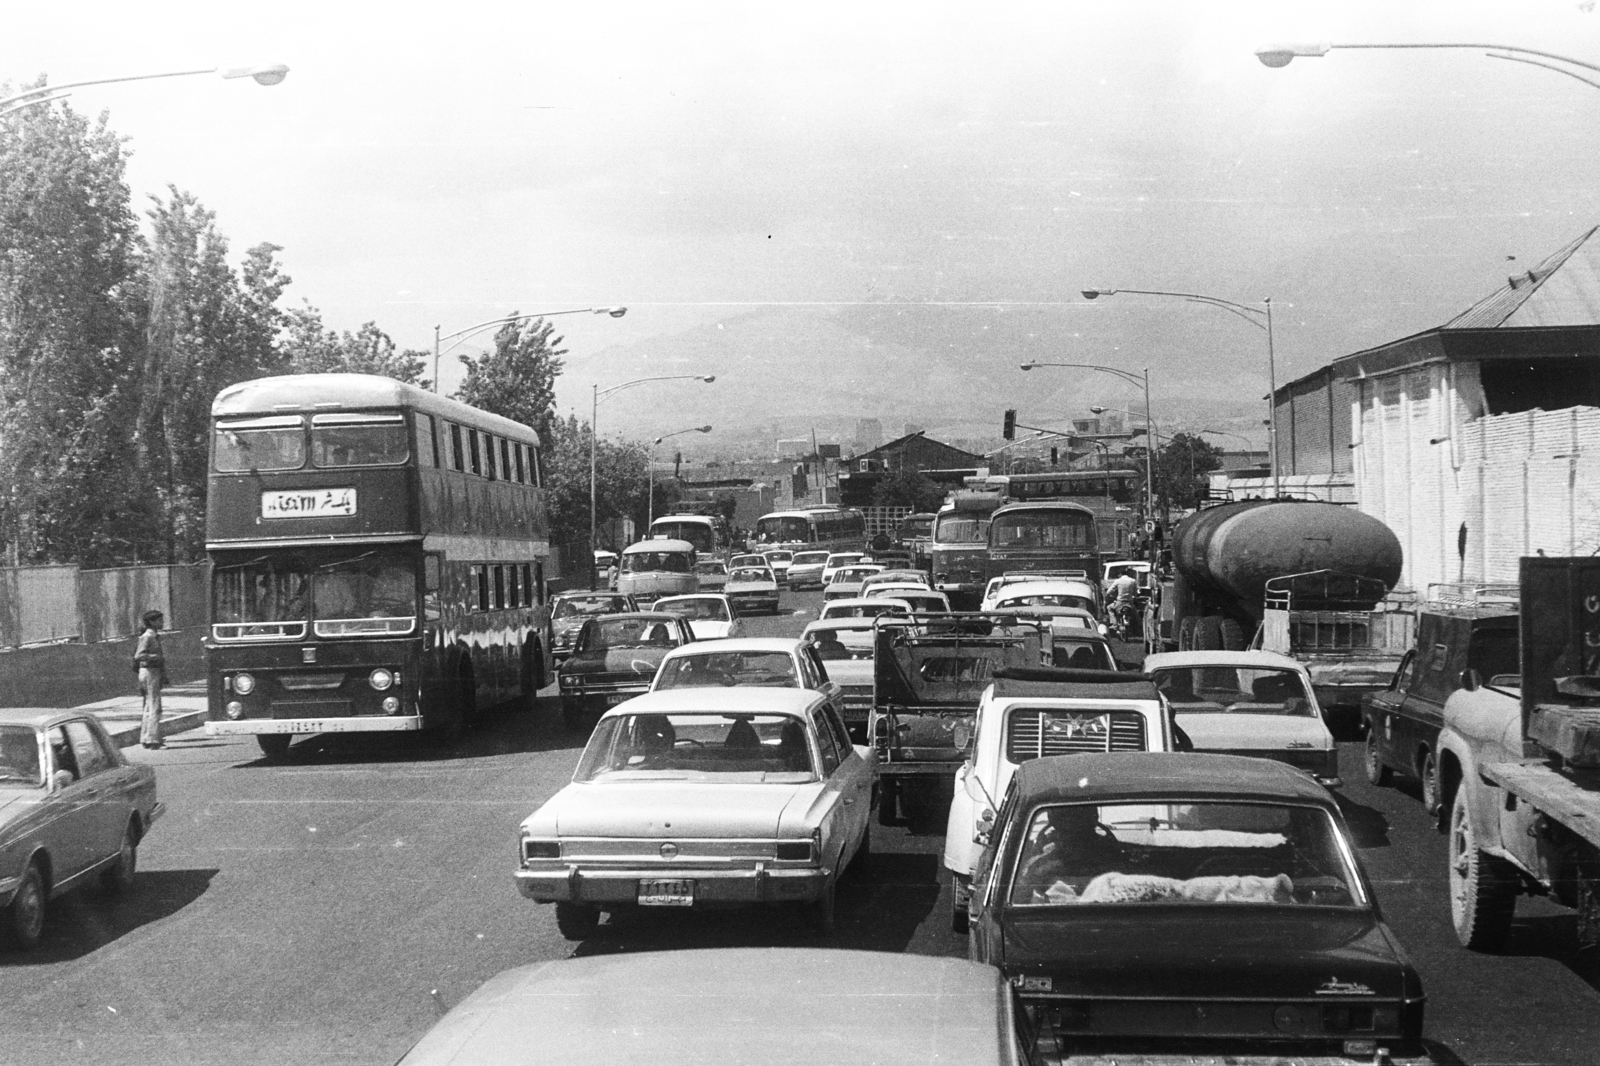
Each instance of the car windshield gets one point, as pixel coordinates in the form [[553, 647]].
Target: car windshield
[[710, 566], [779, 557], [1046, 599], [663, 562], [852, 574], [843, 558], [834, 646], [586, 605], [605, 634], [698, 746], [809, 559], [19, 756], [1082, 654], [707, 609], [716, 669], [749, 560], [1234, 690], [750, 573], [1192, 854]]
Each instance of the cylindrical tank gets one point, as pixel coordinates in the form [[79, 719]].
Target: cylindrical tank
[[1236, 547]]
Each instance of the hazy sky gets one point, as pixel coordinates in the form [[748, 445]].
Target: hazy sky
[[970, 167]]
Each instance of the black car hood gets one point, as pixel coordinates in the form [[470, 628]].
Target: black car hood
[[618, 663], [1190, 952]]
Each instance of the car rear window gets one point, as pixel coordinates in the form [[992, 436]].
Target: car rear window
[[698, 746], [1234, 690]]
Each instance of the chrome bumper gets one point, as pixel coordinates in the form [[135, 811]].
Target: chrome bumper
[[618, 885], [373, 723]]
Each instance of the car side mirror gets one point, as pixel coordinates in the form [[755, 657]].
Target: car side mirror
[[61, 779], [985, 830], [1471, 680]]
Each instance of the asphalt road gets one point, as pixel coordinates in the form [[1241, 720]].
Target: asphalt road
[[330, 910]]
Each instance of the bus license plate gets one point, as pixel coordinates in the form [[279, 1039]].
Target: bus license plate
[[666, 893]]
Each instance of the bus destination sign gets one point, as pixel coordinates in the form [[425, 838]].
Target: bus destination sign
[[309, 503]]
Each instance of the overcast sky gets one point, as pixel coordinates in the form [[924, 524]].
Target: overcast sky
[[973, 166]]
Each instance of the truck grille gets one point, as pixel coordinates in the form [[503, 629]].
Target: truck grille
[[1032, 733]]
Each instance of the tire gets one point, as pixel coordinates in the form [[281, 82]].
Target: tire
[[117, 878], [1428, 774], [24, 917], [530, 679], [823, 911], [1483, 887], [958, 907], [577, 921], [1186, 632], [274, 746], [1377, 773], [1232, 635], [1208, 633]]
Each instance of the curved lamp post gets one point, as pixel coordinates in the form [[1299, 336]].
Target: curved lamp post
[[461, 335], [594, 435], [1144, 382], [1259, 317], [650, 512], [1281, 55], [269, 74]]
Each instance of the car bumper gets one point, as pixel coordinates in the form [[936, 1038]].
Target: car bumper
[[365, 724], [620, 885]]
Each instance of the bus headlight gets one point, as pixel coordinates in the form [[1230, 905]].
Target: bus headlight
[[235, 709], [244, 684], [380, 679], [391, 705]]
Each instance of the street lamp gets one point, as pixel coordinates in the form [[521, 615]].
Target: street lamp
[[506, 320], [270, 74], [1126, 375], [650, 520], [1249, 314], [1280, 55], [594, 434]]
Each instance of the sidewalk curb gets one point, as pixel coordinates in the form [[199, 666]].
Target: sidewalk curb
[[125, 736]]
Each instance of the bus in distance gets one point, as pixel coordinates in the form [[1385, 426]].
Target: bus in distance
[[833, 529], [378, 557], [709, 534]]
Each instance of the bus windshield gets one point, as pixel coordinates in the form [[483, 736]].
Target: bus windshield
[[265, 590], [961, 528], [359, 439], [782, 529], [1042, 529], [372, 592], [697, 533]]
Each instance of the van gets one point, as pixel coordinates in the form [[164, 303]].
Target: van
[[652, 569]]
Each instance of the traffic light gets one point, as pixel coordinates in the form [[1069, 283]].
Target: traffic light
[[1008, 429]]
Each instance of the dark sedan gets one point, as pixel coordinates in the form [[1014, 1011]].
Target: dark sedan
[[615, 658], [72, 810], [1185, 903], [570, 610]]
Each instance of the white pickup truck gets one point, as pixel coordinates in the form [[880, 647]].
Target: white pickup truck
[[1034, 712], [1519, 765]]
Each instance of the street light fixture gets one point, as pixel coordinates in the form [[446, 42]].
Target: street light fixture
[[650, 518], [1144, 381], [269, 74], [1281, 55], [1259, 317], [599, 394], [506, 320]]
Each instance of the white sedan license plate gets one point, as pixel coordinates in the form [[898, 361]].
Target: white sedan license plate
[[666, 893], [618, 697]]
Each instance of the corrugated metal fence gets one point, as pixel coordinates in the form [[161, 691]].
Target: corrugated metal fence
[[50, 604]]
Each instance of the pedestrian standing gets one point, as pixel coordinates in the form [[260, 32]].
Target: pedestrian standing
[[152, 668]]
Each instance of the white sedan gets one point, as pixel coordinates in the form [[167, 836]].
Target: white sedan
[[1255, 703], [702, 797], [711, 616]]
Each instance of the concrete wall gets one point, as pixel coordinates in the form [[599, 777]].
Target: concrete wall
[[67, 674]]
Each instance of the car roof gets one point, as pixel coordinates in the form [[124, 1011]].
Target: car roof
[[643, 616], [1262, 659], [663, 544], [783, 644], [591, 594], [720, 597], [718, 1006], [751, 698], [857, 601], [1043, 588], [37, 717], [1165, 775], [856, 624]]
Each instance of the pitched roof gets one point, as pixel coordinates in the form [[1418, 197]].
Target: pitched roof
[[1563, 290]]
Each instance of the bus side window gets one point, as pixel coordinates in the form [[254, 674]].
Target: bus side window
[[456, 454], [522, 471], [474, 453], [427, 447], [538, 581], [513, 586], [505, 461], [499, 587], [535, 469], [478, 587], [489, 470]]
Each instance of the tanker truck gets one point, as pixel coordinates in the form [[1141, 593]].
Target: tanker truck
[[1294, 577]]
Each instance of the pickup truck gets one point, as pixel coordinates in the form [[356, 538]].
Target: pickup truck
[[1402, 721], [929, 672], [1519, 765]]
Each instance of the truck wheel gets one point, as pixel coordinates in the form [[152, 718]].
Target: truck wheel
[[1208, 634], [1232, 634], [274, 746], [1377, 772], [577, 921], [1482, 887], [1428, 772], [1186, 633]]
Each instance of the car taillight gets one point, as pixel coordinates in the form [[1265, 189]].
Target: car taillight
[[541, 849]]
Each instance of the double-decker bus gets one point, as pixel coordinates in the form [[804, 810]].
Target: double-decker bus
[[834, 529], [378, 558], [710, 535]]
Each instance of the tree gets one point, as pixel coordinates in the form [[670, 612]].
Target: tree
[[621, 481], [1181, 468], [310, 348], [907, 488], [518, 378]]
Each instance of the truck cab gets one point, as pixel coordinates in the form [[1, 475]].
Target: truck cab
[[1402, 722]]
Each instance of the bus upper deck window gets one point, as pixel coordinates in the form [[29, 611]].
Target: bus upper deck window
[[522, 471], [274, 443], [356, 438], [489, 469], [427, 445], [457, 455], [535, 467], [474, 452], [505, 461]]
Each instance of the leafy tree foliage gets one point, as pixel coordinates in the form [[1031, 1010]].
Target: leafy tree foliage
[[907, 488], [621, 481], [518, 378], [1181, 468], [311, 348]]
